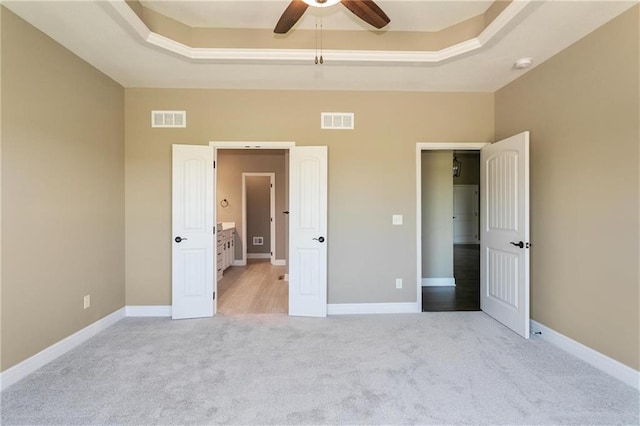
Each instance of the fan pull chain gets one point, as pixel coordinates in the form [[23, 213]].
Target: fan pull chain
[[321, 59], [316, 41]]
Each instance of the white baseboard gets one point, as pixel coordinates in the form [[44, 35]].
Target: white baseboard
[[372, 308], [239, 263], [148, 311], [279, 262], [439, 282], [600, 361], [258, 256], [45, 356], [286, 277]]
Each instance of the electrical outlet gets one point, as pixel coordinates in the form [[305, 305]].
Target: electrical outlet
[[396, 219], [398, 282], [87, 301]]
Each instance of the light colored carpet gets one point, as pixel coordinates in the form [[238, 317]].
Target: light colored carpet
[[431, 368]]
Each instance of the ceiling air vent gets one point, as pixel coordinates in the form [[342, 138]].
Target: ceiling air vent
[[336, 120], [168, 119]]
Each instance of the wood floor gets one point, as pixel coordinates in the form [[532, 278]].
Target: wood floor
[[253, 289], [465, 296]]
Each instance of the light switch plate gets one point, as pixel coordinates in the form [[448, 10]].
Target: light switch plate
[[396, 219]]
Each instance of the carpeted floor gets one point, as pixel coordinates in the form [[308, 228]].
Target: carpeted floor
[[430, 368]]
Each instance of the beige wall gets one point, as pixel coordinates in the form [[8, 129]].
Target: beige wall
[[437, 214], [258, 213], [582, 108], [62, 192], [371, 174], [231, 164]]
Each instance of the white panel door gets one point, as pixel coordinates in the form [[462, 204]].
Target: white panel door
[[504, 233], [465, 214], [193, 257], [308, 231]]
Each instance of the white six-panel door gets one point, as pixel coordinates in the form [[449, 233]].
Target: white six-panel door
[[193, 259], [308, 231], [504, 233]]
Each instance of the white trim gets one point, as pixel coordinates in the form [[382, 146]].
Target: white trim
[[45, 356], [373, 308], [252, 144], [239, 262], [279, 262], [258, 256], [148, 311], [439, 282], [301, 56], [600, 361], [431, 146]]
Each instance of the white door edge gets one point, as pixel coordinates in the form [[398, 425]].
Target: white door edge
[[431, 146]]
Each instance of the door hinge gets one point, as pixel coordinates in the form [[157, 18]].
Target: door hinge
[[271, 253], [214, 230], [214, 164], [214, 295], [270, 185], [271, 219]]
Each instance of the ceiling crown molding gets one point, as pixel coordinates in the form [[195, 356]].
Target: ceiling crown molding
[[305, 56]]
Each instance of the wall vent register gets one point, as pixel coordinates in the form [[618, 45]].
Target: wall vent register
[[337, 120], [169, 119]]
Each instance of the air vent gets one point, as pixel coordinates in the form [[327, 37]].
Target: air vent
[[336, 120], [169, 119]]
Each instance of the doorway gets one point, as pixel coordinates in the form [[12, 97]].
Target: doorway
[[251, 201], [259, 230], [448, 199]]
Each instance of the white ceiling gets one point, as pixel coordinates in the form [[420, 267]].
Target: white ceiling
[[92, 30], [406, 15]]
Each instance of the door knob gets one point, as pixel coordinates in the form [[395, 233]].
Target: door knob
[[319, 239], [178, 239], [518, 244]]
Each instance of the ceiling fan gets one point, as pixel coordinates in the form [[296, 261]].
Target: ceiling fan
[[366, 10]]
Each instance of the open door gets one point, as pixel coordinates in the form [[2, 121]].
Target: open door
[[504, 233], [308, 231], [193, 259]]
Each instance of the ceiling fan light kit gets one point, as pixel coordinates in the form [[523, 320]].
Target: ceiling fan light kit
[[321, 3]]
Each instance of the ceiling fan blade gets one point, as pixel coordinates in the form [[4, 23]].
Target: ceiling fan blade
[[368, 11], [290, 16]]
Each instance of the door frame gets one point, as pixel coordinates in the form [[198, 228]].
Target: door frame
[[272, 213], [258, 145], [432, 146]]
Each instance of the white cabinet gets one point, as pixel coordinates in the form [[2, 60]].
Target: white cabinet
[[225, 250]]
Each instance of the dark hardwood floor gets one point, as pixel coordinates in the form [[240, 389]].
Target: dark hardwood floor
[[465, 296]]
